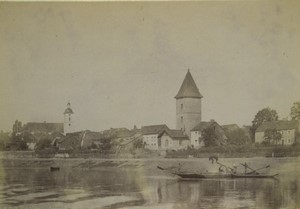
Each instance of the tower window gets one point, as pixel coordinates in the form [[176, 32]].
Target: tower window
[[69, 118], [181, 106], [181, 119]]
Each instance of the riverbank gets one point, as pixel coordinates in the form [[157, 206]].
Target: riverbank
[[147, 166], [249, 151]]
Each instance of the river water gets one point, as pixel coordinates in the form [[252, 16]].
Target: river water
[[138, 188]]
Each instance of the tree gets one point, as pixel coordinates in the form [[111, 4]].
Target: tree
[[210, 137], [295, 111], [264, 115], [4, 139], [17, 143], [272, 136], [106, 144], [17, 127], [43, 143], [237, 137]]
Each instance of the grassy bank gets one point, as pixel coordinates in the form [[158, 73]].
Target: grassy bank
[[238, 152]]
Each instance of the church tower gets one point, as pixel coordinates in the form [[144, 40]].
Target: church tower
[[68, 123], [188, 105]]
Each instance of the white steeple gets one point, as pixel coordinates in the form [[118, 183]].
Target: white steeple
[[68, 122]]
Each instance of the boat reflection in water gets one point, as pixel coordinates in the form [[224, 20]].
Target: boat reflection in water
[[113, 188]]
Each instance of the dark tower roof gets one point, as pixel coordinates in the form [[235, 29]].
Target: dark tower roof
[[68, 110], [188, 88]]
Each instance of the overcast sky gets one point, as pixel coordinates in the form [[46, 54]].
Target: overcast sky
[[121, 64]]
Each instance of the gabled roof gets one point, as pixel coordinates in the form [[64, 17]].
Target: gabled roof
[[202, 125], [230, 127], [188, 88], [77, 140], [118, 132], [44, 127], [154, 129], [174, 133], [278, 125]]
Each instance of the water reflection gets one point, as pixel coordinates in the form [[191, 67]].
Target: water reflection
[[115, 188]]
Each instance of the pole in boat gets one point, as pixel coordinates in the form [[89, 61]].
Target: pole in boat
[[253, 171]]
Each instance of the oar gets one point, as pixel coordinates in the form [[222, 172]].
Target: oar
[[255, 171]]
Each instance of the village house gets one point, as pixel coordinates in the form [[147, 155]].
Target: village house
[[78, 140], [197, 133], [171, 139], [150, 136], [160, 137], [93, 140], [33, 132], [289, 131]]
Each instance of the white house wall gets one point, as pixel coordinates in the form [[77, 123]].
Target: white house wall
[[151, 141], [196, 140], [259, 137], [288, 137], [168, 143]]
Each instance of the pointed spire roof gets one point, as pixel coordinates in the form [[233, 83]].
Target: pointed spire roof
[[69, 109], [188, 88]]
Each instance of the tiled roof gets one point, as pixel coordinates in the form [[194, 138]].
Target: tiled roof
[[174, 133], [154, 129], [230, 127], [44, 127], [278, 125], [119, 132], [202, 125], [188, 88]]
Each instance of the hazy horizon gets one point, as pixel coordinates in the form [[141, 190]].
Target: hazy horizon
[[121, 64]]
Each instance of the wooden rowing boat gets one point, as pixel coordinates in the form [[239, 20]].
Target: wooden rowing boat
[[202, 175], [207, 175]]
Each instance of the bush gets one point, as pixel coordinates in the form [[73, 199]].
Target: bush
[[43, 144]]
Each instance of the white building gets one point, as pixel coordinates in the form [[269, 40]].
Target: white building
[[197, 133], [68, 121], [288, 130], [160, 137]]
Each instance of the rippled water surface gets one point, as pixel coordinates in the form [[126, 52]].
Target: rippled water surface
[[136, 188]]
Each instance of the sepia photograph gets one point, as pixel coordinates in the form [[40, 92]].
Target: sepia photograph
[[150, 104]]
